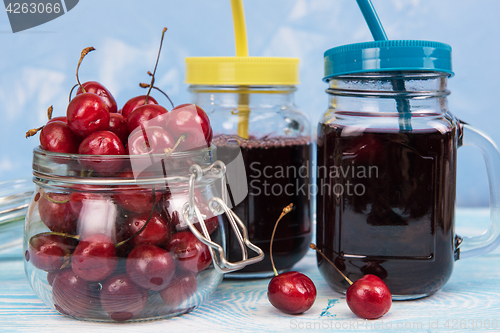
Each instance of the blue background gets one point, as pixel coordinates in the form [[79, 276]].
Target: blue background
[[37, 66]]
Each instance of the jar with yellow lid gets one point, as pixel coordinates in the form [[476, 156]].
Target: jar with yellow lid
[[265, 142]]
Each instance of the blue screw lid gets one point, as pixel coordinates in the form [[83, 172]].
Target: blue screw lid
[[388, 55]]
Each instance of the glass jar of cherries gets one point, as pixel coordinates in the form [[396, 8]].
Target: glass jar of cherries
[[116, 238]]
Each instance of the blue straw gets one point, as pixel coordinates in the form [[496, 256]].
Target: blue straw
[[378, 33], [372, 19]]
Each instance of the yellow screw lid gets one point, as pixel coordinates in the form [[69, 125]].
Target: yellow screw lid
[[242, 71]]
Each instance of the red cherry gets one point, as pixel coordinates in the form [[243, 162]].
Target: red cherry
[[143, 114], [150, 267], [135, 198], [192, 121], [49, 252], [63, 119], [291, 292], [191, 254], [87, 114], [136, 102], [73, 296], [369, 297], [150, 140], [94, 258], [121, 298], [101, 91], [102, 143], [57, 137], [56, 213], [118, 125], [182, 287], [156, 231]]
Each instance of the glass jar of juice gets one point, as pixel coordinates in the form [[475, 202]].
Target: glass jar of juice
[[265, 142], [387, 161]]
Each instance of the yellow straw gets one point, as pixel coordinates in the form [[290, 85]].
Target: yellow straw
[[240, 29], [240, 35]]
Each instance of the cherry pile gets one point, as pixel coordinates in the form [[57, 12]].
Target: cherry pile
[[114, 248], [93, 125]]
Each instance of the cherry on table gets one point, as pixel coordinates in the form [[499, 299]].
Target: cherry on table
[[191, 254], [291, 292], [101, 91], [369, 297], [56, 136], [192, 121], [94, 258], [136, 102], [121, 298], [150, 267], [73, 296]]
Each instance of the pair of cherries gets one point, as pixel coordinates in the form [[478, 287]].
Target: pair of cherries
[[295, 293]]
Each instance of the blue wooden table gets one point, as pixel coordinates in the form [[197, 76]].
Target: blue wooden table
[[470, 301]]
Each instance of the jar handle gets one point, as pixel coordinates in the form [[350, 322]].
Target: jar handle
[[15, 196], [488, 241], [218, 206]]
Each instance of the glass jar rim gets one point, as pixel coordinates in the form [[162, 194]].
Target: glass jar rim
[[74, 169]]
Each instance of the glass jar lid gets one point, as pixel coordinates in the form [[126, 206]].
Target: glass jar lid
[[242, 71], [386, 56]]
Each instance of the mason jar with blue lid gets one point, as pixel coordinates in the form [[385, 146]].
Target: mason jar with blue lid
[[387, 160]]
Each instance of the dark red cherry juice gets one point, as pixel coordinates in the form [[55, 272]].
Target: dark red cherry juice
[[385, 206], [277, 174]]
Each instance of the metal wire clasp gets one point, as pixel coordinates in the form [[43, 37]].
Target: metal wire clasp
[[218, 206]]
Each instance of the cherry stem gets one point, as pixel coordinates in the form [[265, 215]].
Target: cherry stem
[[285, 211], [313, 246], [33, 131], [55, 201], [145, 224], [71, 91], [156, 65], [145, 85], [56, 234], [169, 151], [49, 112], [85, 51]]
